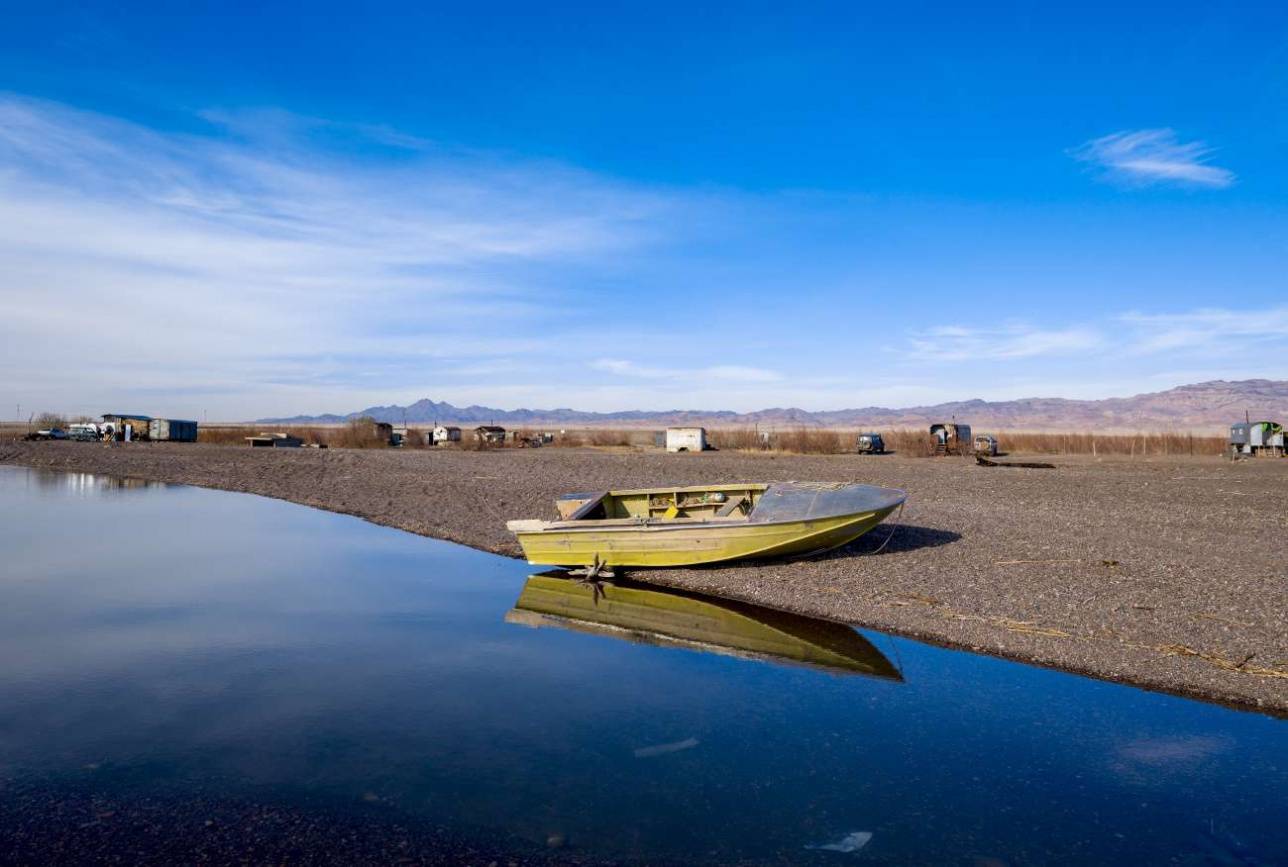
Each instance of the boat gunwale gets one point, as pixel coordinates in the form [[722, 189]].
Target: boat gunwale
[[687, 489], [650, 525]]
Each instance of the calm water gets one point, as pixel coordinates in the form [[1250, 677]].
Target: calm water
[[173, 639]]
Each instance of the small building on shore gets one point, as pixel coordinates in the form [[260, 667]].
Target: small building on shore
[[490, 433], [126, 427], [445, 434], [686, 439]]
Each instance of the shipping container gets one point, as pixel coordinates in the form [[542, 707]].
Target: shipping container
[[172, 430]]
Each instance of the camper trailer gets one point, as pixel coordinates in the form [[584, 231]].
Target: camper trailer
[[1257, 438], [686, 439], [951, 438]]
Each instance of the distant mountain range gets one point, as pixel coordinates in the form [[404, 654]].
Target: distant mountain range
[[1205, 406]]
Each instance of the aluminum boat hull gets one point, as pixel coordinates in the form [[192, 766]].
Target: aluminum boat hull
[[828, 518]]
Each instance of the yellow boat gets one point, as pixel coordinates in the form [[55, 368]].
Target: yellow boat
[[678, 618], [689, 526]]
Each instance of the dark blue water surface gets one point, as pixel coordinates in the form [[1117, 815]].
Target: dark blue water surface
[[212, 646]]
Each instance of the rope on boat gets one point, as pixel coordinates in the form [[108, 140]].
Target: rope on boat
[[890, 535]]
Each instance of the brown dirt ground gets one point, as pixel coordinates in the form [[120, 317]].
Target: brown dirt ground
[[1169, 573]]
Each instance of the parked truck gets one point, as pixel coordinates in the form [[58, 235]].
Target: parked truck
[[870, 444]]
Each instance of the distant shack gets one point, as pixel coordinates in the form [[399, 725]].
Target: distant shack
[[490, 434], [444, 434]]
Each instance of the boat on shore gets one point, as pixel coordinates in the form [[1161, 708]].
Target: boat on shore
[[690, 526], [677, 618]]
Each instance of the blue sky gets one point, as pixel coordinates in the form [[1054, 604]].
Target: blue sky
[[233, 212]]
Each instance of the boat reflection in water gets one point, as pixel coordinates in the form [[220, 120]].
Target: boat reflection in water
[[654, 615]]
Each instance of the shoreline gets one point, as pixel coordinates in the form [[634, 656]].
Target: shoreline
[[1163, 573]]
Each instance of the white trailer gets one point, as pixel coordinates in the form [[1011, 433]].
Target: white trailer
[[686, 439], [445, 434]]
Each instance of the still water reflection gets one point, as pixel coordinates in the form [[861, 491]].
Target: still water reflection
[[194, 640]]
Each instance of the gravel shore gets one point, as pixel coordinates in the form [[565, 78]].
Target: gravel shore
[[1168, 573]]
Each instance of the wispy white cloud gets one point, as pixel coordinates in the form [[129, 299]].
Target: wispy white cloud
[[1012, 341], [1210, 329], [719, 372], [246, 263], [1153, 156]]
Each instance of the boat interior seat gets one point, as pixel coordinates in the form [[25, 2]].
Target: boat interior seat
[[732, 506], [591, 509]]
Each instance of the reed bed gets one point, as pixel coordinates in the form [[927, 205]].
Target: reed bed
[[353, 435], [915, 442], [228, 435], [813, 441], [606, 437], [1131, 445], [740, 439], [911, 442]]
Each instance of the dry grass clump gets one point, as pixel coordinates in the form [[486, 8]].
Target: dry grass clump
[[606, 437], [360, 433], [741, 439], [811, 441], [909, 441], [569, 440], [225, 435]]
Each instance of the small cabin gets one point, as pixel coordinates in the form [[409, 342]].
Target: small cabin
[[686, 439], [951, 438], [445, 434], [870, 444], [489, 433]]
